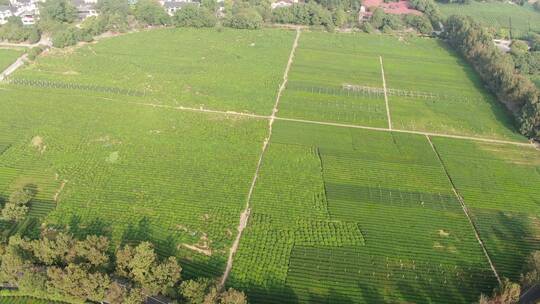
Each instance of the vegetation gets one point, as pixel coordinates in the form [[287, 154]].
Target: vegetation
[[14, 31], [488, 176], [8, 56], [505, 17], [194, 16], [58, 266], [328, 217], [498, 71]]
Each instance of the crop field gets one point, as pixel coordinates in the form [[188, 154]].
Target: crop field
[[227, 70], [357, 216], [500, 185], [325, 64], [460, 104], [131, 172], [120, 138], [499, 15], [429, 87], [7, 57]]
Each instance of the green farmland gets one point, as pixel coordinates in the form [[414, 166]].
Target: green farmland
[[499, 15], [7, 57], [162, 135]]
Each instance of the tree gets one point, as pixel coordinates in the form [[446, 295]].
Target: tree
[[113, 7], [59, 10], [233, 296], [13, 263], [519, 47], [420, 23], [532, 270], [142, 266], [150, 12], [77, 281], [118, 294], [93, 250], [194, 16], [67, 37], [194, 291], [245, 18], [508, 293], [16, 208]]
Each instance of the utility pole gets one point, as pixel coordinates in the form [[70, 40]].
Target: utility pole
[[510, 26]]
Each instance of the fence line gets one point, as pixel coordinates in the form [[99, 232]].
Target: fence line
[[73, 86]]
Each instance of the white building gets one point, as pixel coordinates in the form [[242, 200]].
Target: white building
[[172, 6], [6, 11], [283, 3]]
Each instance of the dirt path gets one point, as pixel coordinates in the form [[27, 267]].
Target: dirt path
[[385, 95], [244, 217], [251, 115], [13, 67], [465, 210]]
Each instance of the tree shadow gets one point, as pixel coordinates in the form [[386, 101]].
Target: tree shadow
[[81, 229]]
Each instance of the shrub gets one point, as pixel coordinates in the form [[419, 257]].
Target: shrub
[[194, 16], [420, 23], [34, 52], [245, 18], [150, 12], [67, 37]]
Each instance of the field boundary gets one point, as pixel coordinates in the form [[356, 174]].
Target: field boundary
[[13, 67], [388, 116], [465, 210], [244, 216], [335, 124]]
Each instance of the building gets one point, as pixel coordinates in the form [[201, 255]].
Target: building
[[171, 6], [6, 11], [283, 3], [85, 8]]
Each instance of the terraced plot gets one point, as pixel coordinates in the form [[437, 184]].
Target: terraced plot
[[228, 70], [7, 57], [384, 225], [326, 69], [131, 172], [500, 186]]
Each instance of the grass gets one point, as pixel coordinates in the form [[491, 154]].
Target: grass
[[411, 239], [7, 57], [499, 185], [131, 172], [498, 15], [220, 69]]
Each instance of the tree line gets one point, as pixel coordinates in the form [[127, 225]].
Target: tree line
[[59, 267], [509, 292], [498, 71]]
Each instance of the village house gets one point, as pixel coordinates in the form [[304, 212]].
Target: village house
[[171, 6], [85, 8], [283, 3]]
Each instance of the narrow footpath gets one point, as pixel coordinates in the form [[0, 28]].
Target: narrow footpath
[[466, 211], [244, 217]]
